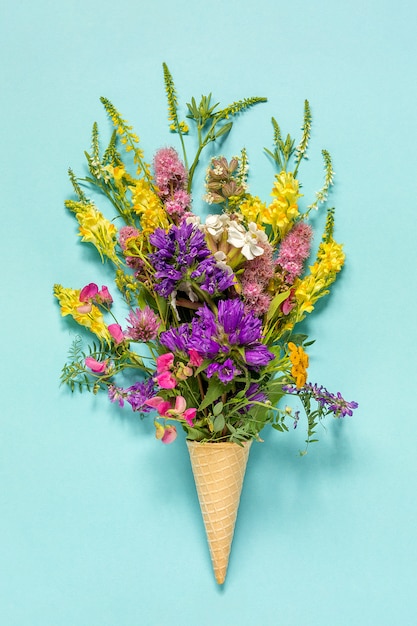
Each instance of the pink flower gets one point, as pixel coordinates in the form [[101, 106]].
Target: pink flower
[[166, 434], [125, 233], [96, 366], [195, 358], [116, 332], [166, 380], [170, 173], [88, 292], [144, 325], [294, 250], [164, 362], [178, 411], [161, 405], [104, 295], [288, 304], [169, 435]]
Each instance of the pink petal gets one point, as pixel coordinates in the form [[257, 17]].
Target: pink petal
[[195, 358], [116, 332], [104, 295], [96, 366], [180, 404], [164, 362], [189, 416], [170, 434], [154, 402], [85, 308], [166, 380], [88, 292]]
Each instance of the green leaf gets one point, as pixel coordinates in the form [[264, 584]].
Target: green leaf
[[214, 390], [279, 299], [218, 408], [219, 423]]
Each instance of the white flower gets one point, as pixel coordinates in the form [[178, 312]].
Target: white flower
[[247, 240], [215, 225], [221, 262]]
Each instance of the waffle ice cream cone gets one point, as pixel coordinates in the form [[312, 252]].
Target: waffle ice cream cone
[[219, 469]]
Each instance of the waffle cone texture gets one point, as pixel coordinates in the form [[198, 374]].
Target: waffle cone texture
[[219, 470]]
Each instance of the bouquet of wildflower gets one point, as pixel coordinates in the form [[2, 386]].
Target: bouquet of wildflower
[[208, 338]]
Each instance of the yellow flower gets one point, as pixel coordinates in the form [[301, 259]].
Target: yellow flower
[[69, 301], [330, 259], [283, 210], [96, 229], [147, 204], [299, 360], [252, 208]]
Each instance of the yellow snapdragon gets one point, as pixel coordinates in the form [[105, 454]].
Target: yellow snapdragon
[[330, 260], [69, 301], [252, 208], [283, 210], [98, 230], [148, 206]]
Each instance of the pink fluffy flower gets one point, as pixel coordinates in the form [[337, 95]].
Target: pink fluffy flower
[[125, 233], [170, 173], [143, 325], [294, 250]]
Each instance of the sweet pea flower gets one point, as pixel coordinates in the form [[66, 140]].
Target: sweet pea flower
[[166, 380], [116, 332], [164, 362], [169, 435], [88, 292], [178, 411], [96, 366], [195, 358], [104, 295], [166, 434]]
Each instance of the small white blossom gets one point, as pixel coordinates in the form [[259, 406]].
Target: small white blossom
[[247, 240], [216, 224]]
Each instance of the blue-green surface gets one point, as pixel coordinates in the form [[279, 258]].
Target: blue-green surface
[[99, 523]]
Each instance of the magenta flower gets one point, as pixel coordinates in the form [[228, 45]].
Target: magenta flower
[[116, 332], [88, 292], [98, 367], [164, 362], [104, 296], [166, 380], [195, 359]]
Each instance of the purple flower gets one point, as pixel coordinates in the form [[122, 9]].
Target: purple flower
[[329, 402], [136, 395], [232, 339], [225, 371], [183, 258]]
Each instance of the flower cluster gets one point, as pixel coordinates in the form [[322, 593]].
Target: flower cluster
[[211, 304]]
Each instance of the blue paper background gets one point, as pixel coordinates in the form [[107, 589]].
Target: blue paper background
[[99, 523]]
